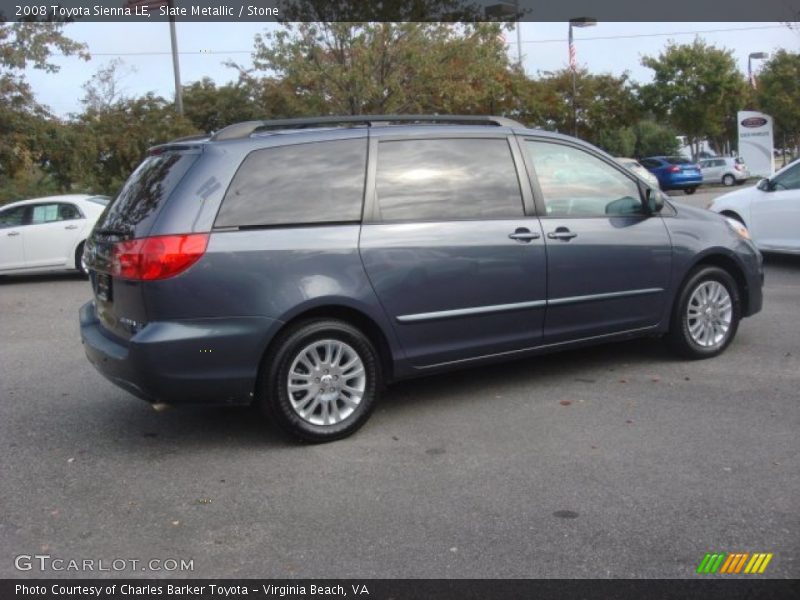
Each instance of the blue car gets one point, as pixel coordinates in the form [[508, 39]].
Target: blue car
[[674, 172]]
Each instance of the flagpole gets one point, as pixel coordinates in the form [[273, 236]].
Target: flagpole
[[175, 65]]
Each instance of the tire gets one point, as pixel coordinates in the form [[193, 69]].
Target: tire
[[690, 191], [80, 265], [728, 180], [688, 325], [312, 351]]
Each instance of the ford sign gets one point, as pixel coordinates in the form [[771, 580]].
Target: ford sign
[[754, 122]]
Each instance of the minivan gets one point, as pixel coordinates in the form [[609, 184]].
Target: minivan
[[303, 264]]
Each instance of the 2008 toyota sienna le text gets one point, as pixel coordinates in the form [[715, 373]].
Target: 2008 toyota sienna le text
[[302, 264]]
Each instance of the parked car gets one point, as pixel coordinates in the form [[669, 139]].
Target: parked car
[[633, 165], [303, 264], [674, 172], [45, 234], [770, 210], [727, 170]]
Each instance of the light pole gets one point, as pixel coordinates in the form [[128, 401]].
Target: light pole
[[573, 65], [758, 55]]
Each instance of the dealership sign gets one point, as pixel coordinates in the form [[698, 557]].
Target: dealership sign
[[755, 142]]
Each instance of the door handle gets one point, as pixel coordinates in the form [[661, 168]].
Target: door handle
[[13, 233], [523, 234], [562, 233], [71, 227]]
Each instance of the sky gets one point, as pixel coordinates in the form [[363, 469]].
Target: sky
[[205, 47]]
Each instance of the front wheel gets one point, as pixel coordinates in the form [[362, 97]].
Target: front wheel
[[690, 191], [706, 314], [322, 380]]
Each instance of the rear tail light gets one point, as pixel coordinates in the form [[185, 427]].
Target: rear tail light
[[738, 167], [160, 257], [674, 169]]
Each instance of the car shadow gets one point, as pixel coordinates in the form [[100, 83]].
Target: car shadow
[[135, 427], [789, 261], [48, 277]]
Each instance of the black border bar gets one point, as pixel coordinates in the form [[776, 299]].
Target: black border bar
[[787, 11], [733, 588]]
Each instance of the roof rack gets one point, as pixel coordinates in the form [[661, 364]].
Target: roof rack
[[245, 129]]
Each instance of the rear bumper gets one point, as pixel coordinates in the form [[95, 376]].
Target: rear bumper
[[683, 182], [202, 361]]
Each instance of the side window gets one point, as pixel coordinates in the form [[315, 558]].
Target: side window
[[790, 180], [12, 217], [44, 213], [320, 182], [447, 179], [68, 212], [576, 184]]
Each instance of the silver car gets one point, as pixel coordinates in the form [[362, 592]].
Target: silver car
[[728, 170]]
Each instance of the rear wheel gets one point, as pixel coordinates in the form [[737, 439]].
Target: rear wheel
[[690, 191], [728, 180], [80, 262], [706, 314], [322, 380]]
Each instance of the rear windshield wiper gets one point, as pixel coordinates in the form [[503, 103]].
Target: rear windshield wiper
[[110, 231]]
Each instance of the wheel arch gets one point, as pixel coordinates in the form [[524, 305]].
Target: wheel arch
[[343, 312], [726, 262], [728, 212]]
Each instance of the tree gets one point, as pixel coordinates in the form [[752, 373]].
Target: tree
[[606, 107], [778, 94], [210, 108], [368, 68], [105, 87], [22, 120], [108, 144], [697, 88]]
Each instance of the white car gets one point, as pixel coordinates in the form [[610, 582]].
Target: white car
[[770, 210], [46, 234], [633, 165]]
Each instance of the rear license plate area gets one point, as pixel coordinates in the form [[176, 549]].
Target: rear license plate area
[[102, 287]]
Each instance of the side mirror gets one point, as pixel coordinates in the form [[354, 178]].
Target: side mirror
[[654, 201], [765, 185]]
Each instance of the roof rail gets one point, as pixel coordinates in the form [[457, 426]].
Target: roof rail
[[245, 129]]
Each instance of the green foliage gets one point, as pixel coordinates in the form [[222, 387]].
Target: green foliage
[[210, 108], [778, 94], [696, 88], [23, 122], [109, 144], [369, 68], [653, 139]]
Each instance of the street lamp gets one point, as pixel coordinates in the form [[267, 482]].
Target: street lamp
[[758, 55], [508, 9], [573, 65]]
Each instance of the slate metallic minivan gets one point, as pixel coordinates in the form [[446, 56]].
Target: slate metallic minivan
[[302, 264]]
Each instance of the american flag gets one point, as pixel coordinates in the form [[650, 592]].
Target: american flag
[[573, 58]]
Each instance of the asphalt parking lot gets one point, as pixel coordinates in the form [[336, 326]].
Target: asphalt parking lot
[[615, 461]]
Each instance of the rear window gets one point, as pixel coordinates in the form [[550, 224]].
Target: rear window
[[133, 211], [678, 160], [315, 183], [739, 160]]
